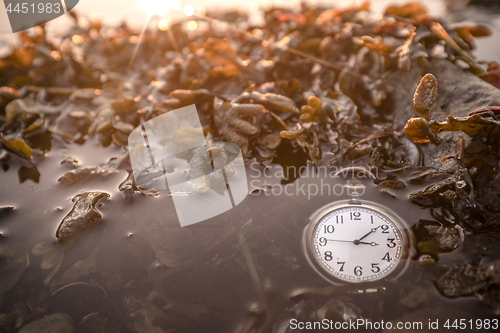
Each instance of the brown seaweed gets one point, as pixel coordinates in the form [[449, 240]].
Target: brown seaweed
[[82, 216]]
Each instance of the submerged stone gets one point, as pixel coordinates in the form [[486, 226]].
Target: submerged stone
[[56, 323]]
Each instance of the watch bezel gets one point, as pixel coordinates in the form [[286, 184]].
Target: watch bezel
[[406, 234]]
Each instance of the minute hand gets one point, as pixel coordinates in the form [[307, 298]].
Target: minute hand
[[371, 231], [346, 241]]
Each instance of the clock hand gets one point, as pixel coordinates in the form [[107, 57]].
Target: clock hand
[[356, 241], [346, 241], [338, 240]]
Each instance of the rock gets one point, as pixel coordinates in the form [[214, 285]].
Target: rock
[[435, 238], [463, 280], [492, 299], [469, 279], [412, 297], [453, 98], [14, 261], [93, 323], [139, 314], [339, 311], [6, 320], [19, 313], [488, 194], [55, 323], [492, 268]]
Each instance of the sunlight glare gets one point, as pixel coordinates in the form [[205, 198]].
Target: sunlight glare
[[192, 25], [77, 39], [163, 25], [189, 10], [157, 7]]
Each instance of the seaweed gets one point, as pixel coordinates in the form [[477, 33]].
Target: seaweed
[[323, 86], [81, 216]]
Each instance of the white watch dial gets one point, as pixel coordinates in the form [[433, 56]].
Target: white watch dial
[[357, 244]]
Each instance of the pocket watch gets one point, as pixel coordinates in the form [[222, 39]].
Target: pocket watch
[[357, 241]]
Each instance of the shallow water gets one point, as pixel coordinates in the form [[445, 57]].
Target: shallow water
[[197, 277], [137, 270]]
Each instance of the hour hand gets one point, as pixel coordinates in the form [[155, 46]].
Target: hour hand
[[370, 243], [357, 241]]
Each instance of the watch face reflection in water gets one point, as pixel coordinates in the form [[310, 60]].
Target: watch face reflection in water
[[357, 244]]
